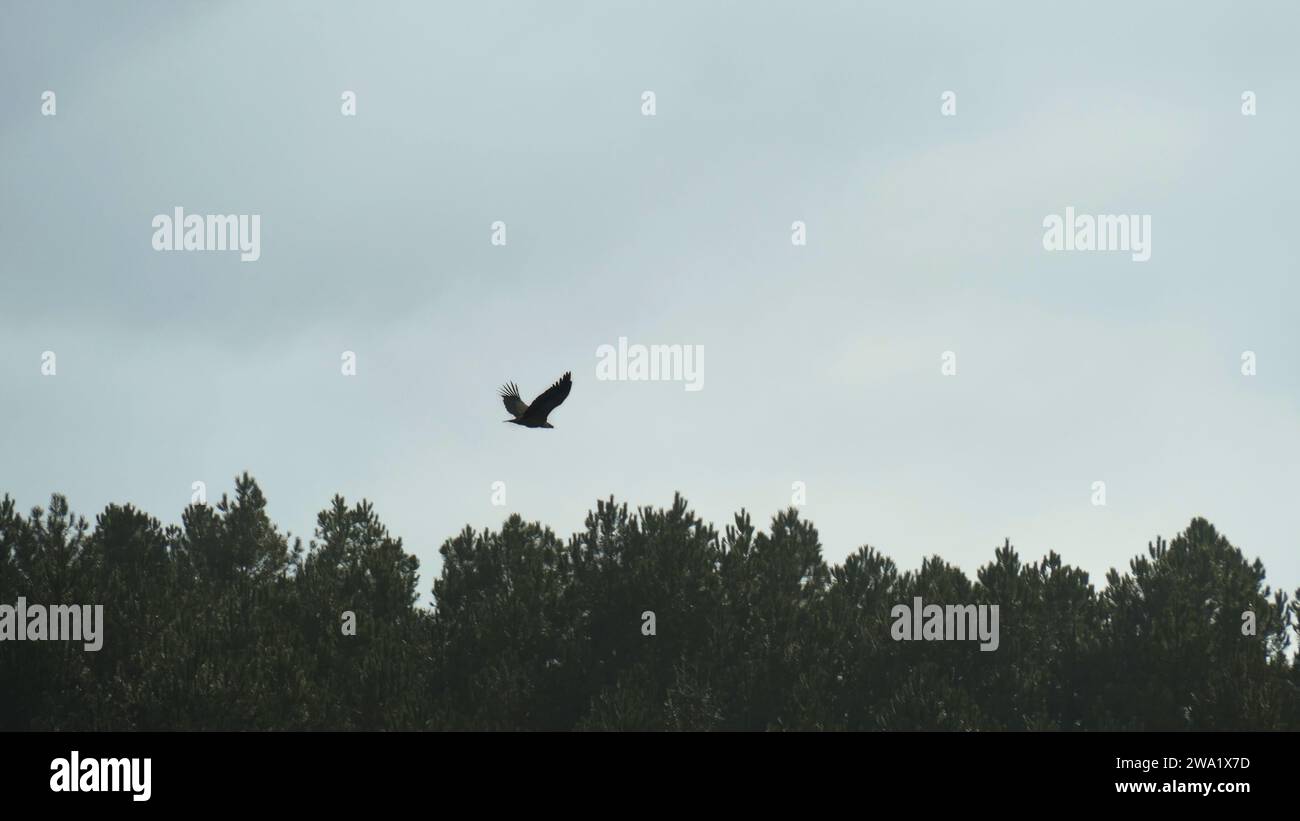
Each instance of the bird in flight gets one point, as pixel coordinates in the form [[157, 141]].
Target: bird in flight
[[534, 415]]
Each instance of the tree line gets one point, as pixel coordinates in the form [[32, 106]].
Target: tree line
[[225, 623]]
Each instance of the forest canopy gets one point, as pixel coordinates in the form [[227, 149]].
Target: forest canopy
[[644, 619]]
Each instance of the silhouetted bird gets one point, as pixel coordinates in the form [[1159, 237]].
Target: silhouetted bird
[[534, 415]]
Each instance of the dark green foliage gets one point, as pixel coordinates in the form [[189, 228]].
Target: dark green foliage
[[225, 623]]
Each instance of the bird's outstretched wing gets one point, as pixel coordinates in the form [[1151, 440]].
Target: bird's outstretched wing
[[514, 404], [551, 398]]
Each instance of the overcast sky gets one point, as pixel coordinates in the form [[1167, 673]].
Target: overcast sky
[[822, 362]]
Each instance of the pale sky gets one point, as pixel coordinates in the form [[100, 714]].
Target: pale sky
[[822, 362]]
